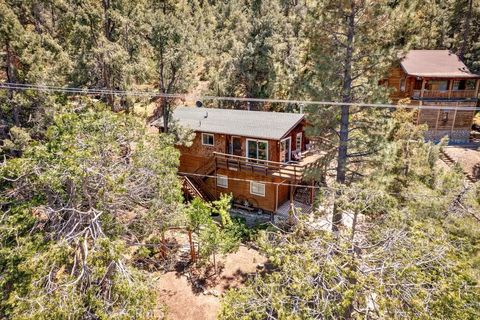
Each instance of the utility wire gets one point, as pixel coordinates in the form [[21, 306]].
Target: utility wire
[[76, 90], [416, 196]]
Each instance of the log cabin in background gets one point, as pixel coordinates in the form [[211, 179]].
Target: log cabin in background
[[437, 78], [258, 157]]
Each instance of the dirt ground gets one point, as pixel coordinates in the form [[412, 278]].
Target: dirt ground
[[467, 157], [183, 301]]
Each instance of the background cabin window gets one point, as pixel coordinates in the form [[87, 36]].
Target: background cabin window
[[418, 84], [257, 189], [298, 141], [402, 84], [207, 139], [444, 117], [458, 85], [257, 149], [470, 84], [437, 85], [222, 181]]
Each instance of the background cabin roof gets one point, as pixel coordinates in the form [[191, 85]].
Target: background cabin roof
[[254, 124], [435, 63]]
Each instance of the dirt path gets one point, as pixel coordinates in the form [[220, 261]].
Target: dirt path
[[181, 300]]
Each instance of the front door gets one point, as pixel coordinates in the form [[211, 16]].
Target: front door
[[236, 148], [285, 150]]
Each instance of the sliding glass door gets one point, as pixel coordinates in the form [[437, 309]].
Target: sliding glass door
[[257, 149]]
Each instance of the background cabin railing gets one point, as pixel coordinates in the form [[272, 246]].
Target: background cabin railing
[[444, 94], [257, 166]]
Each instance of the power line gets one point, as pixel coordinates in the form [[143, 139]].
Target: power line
[[416, 196], [185, 96]]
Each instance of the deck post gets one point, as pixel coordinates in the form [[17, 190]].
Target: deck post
[[450, 87], [312, 193], [454, 118], [421, 100], [423, 89], [216, 191], [276, 197]]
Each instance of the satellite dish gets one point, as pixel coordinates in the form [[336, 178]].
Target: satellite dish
[[198, 104]]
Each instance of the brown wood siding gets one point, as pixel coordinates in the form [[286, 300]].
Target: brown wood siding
[[464, 120], [293, 135], [393, 82], [456, 121], [241, 189], [198, 155], [192, 158], [434, 119]]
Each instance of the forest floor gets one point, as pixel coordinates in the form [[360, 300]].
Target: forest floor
[[468, 157], [183, 300]]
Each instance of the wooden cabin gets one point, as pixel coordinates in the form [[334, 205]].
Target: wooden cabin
[[255, 156], [437, 78]]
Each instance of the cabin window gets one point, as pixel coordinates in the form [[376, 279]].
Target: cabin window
[[444, 117], [470, 84], [257, 149], [285, 149], [222, 181], [298, 141], [403, 82], [207, 139], [458, 85], [257, 189], [437, 85], [418, 84]]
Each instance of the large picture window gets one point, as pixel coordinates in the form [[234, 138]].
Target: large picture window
[[437, 85], [257, 149], [208, 139], [257, 189]]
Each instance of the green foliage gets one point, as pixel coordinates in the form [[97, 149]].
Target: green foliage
[[213, 238], [198, 214], [411, 251], [70, 204], [222, 207]]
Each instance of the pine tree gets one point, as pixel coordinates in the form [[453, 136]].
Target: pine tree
[[69, 209], [107, 41], [173, 38], [348, 56], [32, 54]]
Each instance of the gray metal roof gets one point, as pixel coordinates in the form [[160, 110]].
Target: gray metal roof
[[435, 63], [255, 124]]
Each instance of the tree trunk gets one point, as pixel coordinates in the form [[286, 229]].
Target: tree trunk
[[466, 31], [11, 78], [344, 120], [192, 246], [166, 114]]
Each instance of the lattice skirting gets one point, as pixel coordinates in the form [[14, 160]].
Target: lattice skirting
[[455, 136]]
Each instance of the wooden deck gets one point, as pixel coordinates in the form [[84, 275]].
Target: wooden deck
[[444, 94], [301, 165], [293, 171]]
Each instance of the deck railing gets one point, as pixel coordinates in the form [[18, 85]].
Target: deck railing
[[257, 166], [444, 94]]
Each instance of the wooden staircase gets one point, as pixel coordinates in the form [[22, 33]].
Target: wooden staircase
[[445, 157], [194, 185]]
